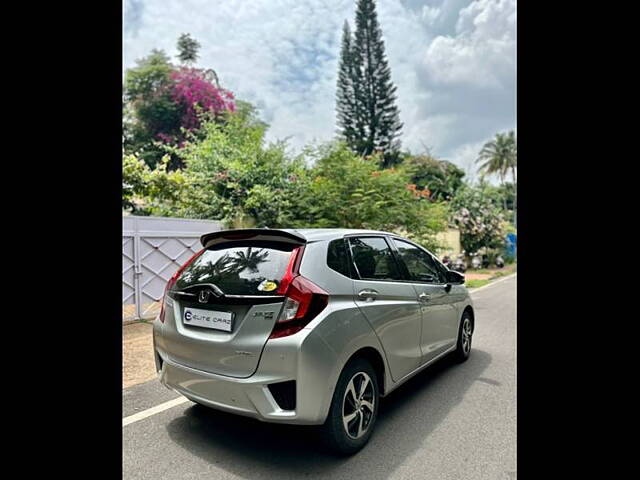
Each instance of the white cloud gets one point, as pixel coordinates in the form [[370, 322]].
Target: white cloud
[[452, 60], [469, 77]]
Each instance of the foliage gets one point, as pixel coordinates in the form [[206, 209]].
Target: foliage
[[194, 91], [479, 220], [442, 178], [163, 103], [146, 191], [510, 228], [149, 107], [187, 49], [349, 191], [345, 91], [150, 75], [499, 155], [366, 92], [233, 177], [502, 196]]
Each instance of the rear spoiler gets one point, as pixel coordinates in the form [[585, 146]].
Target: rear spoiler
[[253, 234]]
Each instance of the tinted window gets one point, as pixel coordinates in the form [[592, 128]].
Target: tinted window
[[337, 257], [422, 267], [373, 259], [442, 269], [246, 270]]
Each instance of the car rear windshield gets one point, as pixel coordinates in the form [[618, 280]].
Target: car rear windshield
[[239, 270]]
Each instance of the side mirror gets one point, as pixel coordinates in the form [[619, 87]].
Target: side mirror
[[455, 278]]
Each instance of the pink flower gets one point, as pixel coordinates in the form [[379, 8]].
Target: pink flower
[[196, 94]]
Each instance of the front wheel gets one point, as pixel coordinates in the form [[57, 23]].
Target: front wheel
[[354, 409], [463, 348]]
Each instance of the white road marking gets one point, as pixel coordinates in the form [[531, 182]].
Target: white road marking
[[180, 400], [153, 410], [474, 290]]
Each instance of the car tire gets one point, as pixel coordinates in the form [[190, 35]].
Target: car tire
[[465, 335], [363, 409]]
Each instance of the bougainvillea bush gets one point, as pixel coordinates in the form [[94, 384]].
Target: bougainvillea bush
[[194, 91], [166, 103]]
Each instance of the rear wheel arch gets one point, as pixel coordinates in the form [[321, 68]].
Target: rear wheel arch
[[374, 357]]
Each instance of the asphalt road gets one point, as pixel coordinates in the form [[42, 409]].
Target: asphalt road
[[449, 422]]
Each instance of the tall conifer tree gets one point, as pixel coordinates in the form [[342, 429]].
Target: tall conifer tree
[[345, 95], [370, 95]]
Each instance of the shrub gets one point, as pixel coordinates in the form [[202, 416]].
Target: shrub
[[479, 220]]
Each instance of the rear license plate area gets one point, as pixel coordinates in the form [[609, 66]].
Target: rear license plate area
[[211, 319]]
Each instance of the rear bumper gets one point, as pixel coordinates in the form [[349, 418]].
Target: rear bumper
[[249, 397], [302, 357]]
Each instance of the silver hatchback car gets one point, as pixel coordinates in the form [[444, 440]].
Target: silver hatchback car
[[308, 326]]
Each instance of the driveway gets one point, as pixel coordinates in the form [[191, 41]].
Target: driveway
[[449, 422]]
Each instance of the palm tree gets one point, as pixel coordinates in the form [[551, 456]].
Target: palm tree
[[249, 260], [500, 156]]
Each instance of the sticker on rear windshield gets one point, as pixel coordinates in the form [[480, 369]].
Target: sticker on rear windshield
[[267, 286]]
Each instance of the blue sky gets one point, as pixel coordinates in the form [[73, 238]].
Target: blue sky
[[453, 61]]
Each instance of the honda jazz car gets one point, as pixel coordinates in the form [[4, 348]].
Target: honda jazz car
[[308, 326]]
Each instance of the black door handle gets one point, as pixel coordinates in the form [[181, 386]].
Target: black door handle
[[447, 287]]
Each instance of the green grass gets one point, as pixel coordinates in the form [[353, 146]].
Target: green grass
[[476, 283], [480, 270], [506, 270]]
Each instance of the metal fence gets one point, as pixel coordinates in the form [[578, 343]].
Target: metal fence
[[153, 248]]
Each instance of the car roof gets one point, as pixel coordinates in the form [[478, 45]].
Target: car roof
[[317, 234]]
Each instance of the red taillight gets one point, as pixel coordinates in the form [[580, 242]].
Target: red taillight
[[292, 270], [304, 299], [173, 279]]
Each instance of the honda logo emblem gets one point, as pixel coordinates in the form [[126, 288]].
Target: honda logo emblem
[[203, 296]]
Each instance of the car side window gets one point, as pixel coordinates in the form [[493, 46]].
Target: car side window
[[421, 266], [443, 270], [374, 259], [338, 257]]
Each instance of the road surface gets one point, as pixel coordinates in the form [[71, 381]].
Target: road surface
[[452, 421]]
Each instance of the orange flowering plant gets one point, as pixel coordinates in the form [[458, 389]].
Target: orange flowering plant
[[350, 191]]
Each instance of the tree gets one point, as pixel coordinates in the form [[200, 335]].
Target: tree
[[442, 178], [149, 108], [502, 196], [163, 102], [346, 190], [500, 155], [345, 93], [232, 176], [196, 91], [146, 191], [373, 104], [187, 49]]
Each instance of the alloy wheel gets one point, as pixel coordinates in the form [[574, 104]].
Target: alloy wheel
[[466, 336], [358, 405]]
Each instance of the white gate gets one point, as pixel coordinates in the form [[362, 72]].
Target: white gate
[[153, 248]]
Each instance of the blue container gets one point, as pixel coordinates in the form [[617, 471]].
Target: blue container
[[512, 245]]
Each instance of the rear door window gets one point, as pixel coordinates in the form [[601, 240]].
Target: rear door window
[[238, 270], [421, 266], [373, 259]]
